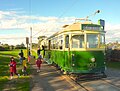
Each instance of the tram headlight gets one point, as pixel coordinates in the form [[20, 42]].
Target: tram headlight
[[73, 64], [104, 62], [93, 60]]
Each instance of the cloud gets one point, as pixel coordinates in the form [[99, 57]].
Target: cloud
[[13, 20], [42, 25], [112, 32]]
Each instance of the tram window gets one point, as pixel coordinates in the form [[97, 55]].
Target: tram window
[[78, 41], [52, 44], [67, 41], [60, 44], [92, 41], [49, 44]]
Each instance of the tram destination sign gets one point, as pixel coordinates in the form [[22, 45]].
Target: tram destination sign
[[90, 27]]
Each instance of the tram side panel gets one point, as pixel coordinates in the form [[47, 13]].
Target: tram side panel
[[78, 61]]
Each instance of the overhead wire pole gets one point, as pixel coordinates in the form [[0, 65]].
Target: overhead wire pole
[[31, 38], [30, 26]]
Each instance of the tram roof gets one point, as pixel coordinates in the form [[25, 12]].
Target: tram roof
[[74, 26]]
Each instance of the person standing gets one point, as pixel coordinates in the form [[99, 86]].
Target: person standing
[[38, 63], [24, 63], [38, 51], [13, 67], [21, 54], [43, 51], [29, 55]]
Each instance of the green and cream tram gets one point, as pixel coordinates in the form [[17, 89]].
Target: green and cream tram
[[78, 48]]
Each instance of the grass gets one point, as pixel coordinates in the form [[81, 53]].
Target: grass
[[114, 65], [16, 84]]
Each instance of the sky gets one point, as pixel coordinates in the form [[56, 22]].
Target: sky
[[46, 17]]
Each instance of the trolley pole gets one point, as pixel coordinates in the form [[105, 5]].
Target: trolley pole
[[30, 38], [27, 42]]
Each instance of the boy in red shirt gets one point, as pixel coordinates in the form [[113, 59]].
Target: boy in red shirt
[[38, 63]]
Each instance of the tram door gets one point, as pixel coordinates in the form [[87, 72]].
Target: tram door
[[49, 52], [67, 51]]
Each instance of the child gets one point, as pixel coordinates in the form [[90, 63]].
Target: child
[[38, 63], [29, 55], [13, 67], [24, 66]]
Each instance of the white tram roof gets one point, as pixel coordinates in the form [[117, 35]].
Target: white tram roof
[[72, 27], [75, 26]]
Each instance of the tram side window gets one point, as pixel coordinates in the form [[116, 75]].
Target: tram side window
[[67, 41], [52, 44], [60, 44], [78, 41], [56, 42], [49, 45]]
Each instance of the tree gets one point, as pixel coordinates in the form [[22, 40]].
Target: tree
[[22, 46]]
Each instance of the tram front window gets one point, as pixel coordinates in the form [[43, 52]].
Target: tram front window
[[78, 41], [92, 41]]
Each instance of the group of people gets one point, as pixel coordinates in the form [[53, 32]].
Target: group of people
[[23, 61]]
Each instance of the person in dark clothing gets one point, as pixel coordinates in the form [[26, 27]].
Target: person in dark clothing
[[38, 51], [43, 48], [29, 53], [43, 51], [21, 54]]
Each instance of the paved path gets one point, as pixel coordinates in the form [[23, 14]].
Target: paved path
[[50, 80]]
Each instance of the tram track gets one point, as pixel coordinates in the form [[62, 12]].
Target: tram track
[[80, 85], [89, 85], [72, 82], [110, 83], [97, 84]]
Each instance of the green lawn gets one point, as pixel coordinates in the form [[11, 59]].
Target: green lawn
[[16, 84], [114, 65]]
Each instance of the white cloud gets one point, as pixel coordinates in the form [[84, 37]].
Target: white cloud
[[45, 25], [112, 32], [40, 25]]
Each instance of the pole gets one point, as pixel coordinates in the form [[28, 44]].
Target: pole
[[27, 42], [30, 38], [27, 51]]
